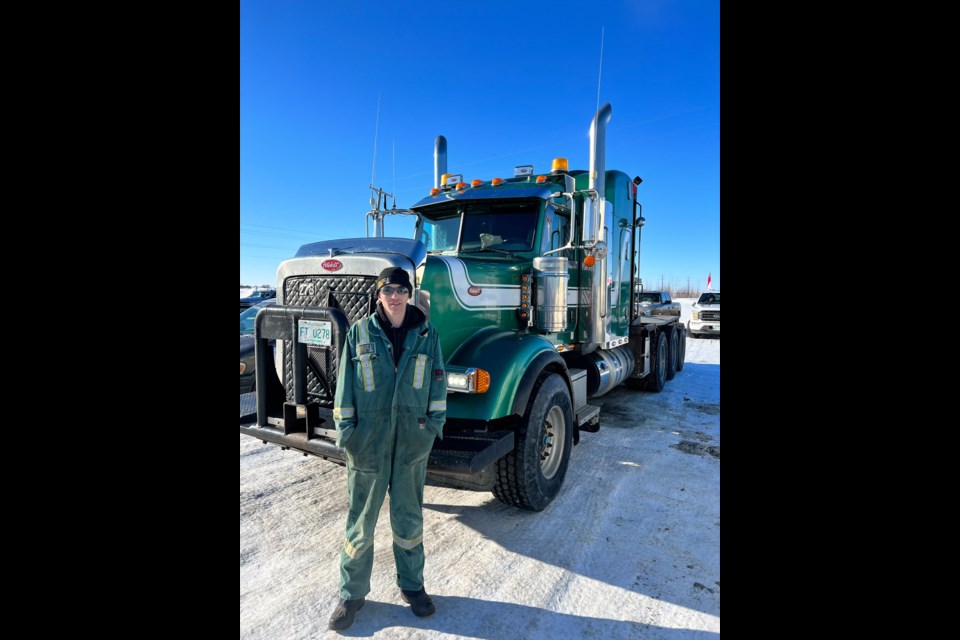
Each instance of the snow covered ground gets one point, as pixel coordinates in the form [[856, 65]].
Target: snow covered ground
[[629, 549]]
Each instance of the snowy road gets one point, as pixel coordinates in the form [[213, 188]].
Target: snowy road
[[629, 549]]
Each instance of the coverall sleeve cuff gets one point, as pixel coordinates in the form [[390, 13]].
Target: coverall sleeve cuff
[[437, 428], [344, 434]]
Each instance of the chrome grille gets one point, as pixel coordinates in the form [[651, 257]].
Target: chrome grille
[[355, 296]]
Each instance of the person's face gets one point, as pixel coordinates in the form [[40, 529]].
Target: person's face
[[394, 298]]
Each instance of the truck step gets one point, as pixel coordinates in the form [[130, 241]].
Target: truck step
[[588, 418], [465, 453]]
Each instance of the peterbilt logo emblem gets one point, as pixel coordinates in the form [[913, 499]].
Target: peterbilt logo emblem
[[474, 291], [332, 265]]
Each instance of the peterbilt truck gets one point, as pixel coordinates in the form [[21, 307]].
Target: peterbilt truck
[[529, 282]]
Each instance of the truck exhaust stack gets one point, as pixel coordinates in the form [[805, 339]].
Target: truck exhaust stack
[[598, 149], [439, 160]]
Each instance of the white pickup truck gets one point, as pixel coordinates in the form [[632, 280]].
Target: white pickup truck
[[705, 315]]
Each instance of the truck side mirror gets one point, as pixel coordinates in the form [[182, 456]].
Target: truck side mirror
[[591, 219]]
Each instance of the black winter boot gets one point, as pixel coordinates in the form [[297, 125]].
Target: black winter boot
[[420, 602], [344, 614]]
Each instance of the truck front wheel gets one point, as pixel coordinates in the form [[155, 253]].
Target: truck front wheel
[[531, 475]]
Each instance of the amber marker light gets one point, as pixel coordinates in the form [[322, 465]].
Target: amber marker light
[[476, 183], [541, 179], [483, 381], [496, 181], [434, 191], [589, 261]]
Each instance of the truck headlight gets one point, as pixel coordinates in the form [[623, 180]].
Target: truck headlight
[[696, 315], [470, 380]]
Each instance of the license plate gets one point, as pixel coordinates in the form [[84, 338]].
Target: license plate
[[315, 332]]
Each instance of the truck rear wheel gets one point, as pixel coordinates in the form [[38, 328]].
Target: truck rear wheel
[[531, 475], [658, 376], [682, 343], [673, 354]]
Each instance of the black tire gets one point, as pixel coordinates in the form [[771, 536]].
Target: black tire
[[674, 342], [682, 344], [531, 475], [658, 356]]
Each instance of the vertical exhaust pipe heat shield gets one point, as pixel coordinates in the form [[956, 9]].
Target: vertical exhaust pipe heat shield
[[598, 182]]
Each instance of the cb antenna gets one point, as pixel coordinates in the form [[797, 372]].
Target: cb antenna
[[373, 173]]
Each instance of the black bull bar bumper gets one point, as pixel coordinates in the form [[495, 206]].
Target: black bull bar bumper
[[306, 426]]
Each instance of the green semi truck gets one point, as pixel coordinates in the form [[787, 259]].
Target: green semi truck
[[529, 282]]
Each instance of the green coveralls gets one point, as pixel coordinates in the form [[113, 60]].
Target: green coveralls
[[378, 411]]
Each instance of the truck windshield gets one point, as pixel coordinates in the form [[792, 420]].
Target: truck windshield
[[709, 298], [481, 226]]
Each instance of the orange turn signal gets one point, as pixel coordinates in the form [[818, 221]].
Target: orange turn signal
[[483, 381], [589, 261]]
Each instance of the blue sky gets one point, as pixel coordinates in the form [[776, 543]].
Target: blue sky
[[507, 83]]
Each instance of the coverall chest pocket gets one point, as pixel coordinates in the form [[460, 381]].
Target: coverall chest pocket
[[363, 367], [418, 372]]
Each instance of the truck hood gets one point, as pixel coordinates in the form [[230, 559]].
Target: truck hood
[[468, 293], [406, 247]]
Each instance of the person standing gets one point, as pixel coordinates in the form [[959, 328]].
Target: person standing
[[390, 405]]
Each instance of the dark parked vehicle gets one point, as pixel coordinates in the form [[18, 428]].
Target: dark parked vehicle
[[247, 360], [247, 364], [655, 303], [249, 315], [257, 297]]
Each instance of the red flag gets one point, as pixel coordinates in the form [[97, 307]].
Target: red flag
[[709, 280]]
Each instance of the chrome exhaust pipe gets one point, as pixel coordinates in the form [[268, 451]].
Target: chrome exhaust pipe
[[439, 160]]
